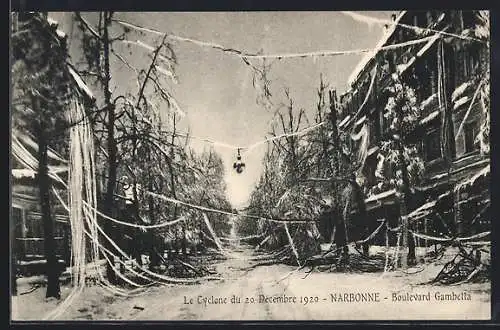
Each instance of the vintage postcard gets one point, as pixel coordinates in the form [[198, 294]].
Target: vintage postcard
[[330, 165]]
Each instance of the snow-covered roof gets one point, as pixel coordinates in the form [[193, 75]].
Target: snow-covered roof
[[52, 22], [19, 173], [469, 182], [426, 208], [430, 117], [28, 140], [360, 121], [460, 90], [382, 195], [422, 210], [461, 101], [79, 81], [370, 55], [60, 34], [439, 176], [344, 121]]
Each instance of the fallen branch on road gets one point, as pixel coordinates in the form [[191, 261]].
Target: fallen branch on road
[[267, 263], [33, 288], [466, 266]]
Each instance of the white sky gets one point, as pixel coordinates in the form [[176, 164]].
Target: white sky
[[215, 89]]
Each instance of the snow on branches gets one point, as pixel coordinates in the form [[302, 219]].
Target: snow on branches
[[402, 115]]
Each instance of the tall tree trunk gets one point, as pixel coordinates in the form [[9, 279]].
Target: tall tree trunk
[[359, 197], [337, 166], [184, 241], [335, 143], [340, 227], [112, 149], [51, 268], [335, 133], [153, 252], [404, 203]]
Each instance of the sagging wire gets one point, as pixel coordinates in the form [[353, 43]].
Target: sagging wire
[[76, 214], [207, 209], [371, 20], [175, 201], [252, 146], [246, 55], [81, 187], [368, 93], [159, 276], [96, 241], [240, 238]]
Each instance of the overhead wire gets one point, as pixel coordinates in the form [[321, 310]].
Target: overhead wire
[[159, 276], [165, 278], [90, 211], [32, 163], [250, 55], [247, 55], [179, 202], [376, 20]]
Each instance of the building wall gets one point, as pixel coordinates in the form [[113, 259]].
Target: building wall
[[26, 217], [458, 70], [463, 62], [28, 226]]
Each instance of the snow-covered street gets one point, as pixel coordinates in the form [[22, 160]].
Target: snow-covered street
[[267, 293], [250, 165]]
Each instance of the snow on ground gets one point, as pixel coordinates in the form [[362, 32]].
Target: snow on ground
[[252, 285]]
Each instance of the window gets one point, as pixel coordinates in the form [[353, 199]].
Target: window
[[432, 145], [17, 219], [470, 133], [472, 60], [382, 124], [425, 78], [58, 229], [34, 225], [389, 63], [451, 69]]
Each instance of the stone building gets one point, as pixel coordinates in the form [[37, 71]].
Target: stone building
[[445, 71]]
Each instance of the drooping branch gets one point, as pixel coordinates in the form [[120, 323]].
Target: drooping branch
[[89, 27]]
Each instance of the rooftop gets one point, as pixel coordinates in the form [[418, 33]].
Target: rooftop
[[76, 77], [370, 55]]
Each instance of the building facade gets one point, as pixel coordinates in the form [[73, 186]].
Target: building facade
[[26, 220], [445, 71]]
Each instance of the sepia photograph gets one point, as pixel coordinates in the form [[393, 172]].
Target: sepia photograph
[[250, 165]]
